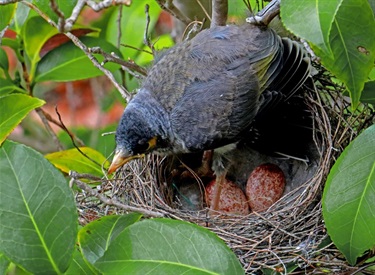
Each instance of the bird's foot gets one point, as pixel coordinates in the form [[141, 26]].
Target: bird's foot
[[265, 16], [220, 180]]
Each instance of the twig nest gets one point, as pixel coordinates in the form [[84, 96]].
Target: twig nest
[[232, 198], [265, 186]]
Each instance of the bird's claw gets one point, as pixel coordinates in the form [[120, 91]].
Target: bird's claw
[[265, 16]]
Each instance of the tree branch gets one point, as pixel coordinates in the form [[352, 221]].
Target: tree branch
[[219, 13]]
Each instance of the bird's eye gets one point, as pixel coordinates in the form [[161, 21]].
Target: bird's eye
[[142, 146]]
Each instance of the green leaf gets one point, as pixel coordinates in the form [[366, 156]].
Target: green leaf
[[346, 27], [22, 14], [368, 93], [34, 39], [133, 20], [80, 266], [66, 7], [316, 25], [72, 159], [14, 108], [7, 12], [68, 63], [353, 46], [7, 87], [96, 237], [165, 246], [348, 198], [4, 64], [4, 263], [38, 215]]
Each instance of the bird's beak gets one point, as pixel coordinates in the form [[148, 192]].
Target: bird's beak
[[121, 157]]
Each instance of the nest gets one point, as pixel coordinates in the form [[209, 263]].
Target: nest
[[291, 233]]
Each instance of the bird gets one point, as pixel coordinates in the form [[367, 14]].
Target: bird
[[207, 92]]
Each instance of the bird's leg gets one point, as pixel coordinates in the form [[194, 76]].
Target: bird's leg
[[220, 180], [205, 168], [265, 16]]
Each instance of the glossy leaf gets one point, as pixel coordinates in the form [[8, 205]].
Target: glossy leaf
[[38, 215], [4, 64], [351, 40], [368, 93], [22, 14], [68, 62], [7, 87], [14, 108], [74, 160], [164, 246], [7, 13], [348, 198], [4, 263], [316, 25], [80, 266], [96, 237], [34, 39]]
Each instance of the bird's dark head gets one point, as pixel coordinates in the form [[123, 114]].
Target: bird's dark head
[[139, 132]]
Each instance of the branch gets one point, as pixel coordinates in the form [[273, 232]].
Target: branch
[[107, 3], [60, 14], [42, 116], [168, 6], [128, 65], [146, 39], [114, 202], [219, 13]]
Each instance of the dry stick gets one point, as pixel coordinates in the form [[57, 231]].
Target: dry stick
[[107, 3], [219, 13], [6, 2], [40, 112], [72, 139], [146, 38], [60, 14], [203, 9], [109, 201], [128, 65], [74, 16], [119, 29], [169, 7]]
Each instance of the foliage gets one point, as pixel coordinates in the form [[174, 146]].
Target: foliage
[[38, 229], [329, 27], [348, 199]]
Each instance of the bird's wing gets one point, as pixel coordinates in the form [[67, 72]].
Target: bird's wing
[[216, 112]]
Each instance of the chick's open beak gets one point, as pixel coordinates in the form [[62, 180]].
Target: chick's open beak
[[121, 157]]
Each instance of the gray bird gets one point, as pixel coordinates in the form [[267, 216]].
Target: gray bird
[[205, 93]]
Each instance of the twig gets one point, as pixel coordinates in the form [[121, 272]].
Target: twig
[[219, 13], [113, 58], [169, 7], [60, 14], [113, 202], [107, 3], [69, 22], [146, 38], [119, 29], [72, 139], [57, 142], [6, 2], [135, 48], [203, 9]]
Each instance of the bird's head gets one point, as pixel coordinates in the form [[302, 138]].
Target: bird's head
[[137, 134]]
